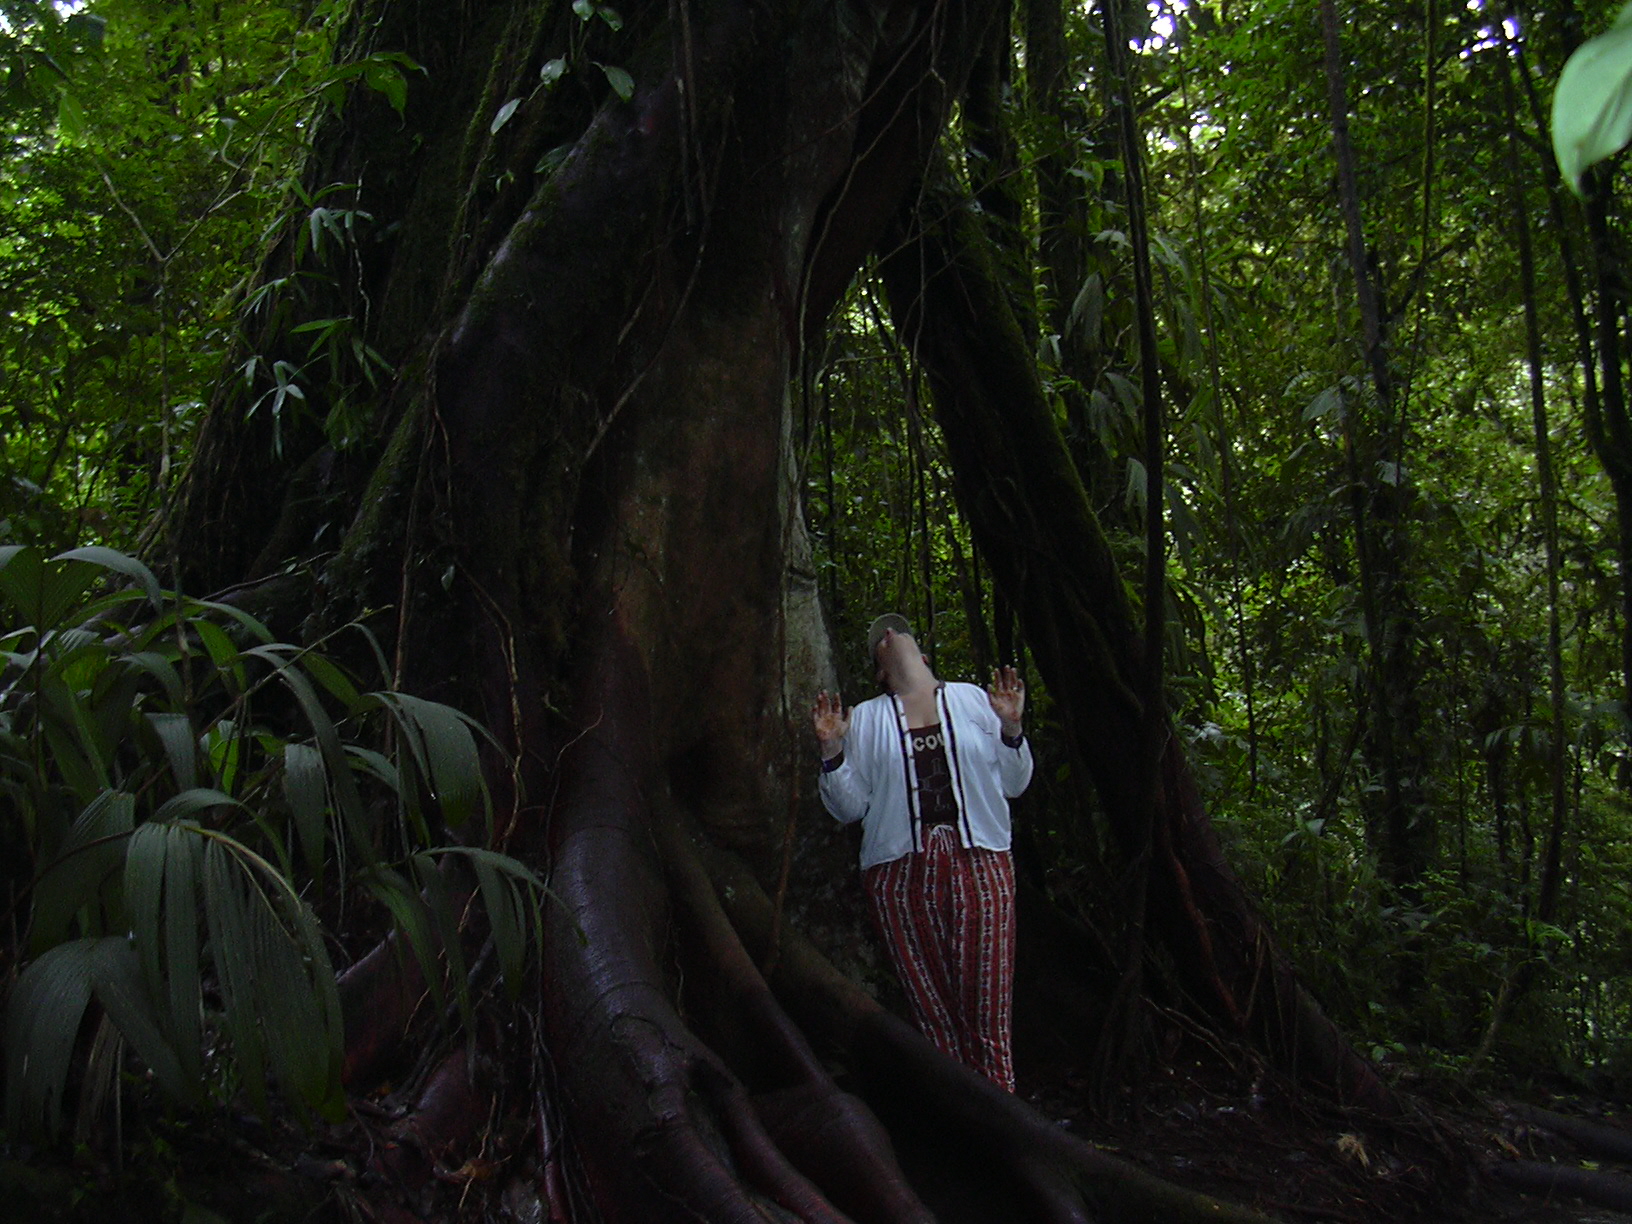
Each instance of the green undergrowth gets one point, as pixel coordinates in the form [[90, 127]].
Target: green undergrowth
[[180, 793]]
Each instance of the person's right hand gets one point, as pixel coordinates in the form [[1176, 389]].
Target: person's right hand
[[831, 722]]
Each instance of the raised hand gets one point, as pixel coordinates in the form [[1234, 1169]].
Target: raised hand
[[832, 723], [1007, 695]]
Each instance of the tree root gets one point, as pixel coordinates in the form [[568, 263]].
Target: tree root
[[447, 1117], [1610, 1142], [1612, 1190], [665, 1129], [1598, 1187], [970, 1128]]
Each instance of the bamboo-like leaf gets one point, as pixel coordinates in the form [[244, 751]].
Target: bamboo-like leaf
[[175, 731], [162, 670], [504, 916], [343, 786], [80, 866], [409, 914], [232, 950], [43, 1017], [1592, 103], [413, 766], [445, 923], [190, 802], [333, 679], [381, 664], [445, 752], [73, 737], [224, 656], [43, 591], [305, 786], [376, 765], [255, 628], [513, 896], [161, 891], [117, 978], [107, 558]]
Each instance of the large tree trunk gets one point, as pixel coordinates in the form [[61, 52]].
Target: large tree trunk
[[583, 512]]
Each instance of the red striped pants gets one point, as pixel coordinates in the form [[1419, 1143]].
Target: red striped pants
[[947, 917]]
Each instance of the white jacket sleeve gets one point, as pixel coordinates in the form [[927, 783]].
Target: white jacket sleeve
[[1014, 767], [845, 791]]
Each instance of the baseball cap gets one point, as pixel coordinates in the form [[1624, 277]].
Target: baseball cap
[[876, 631]]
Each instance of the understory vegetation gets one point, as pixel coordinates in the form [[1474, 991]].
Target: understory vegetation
[[1393, 470]]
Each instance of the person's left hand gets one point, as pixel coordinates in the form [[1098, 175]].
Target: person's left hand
[[1007, 695]]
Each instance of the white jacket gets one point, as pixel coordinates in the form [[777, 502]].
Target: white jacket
[[877, 782]]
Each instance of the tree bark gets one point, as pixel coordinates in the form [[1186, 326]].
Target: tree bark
[[1402, 828]]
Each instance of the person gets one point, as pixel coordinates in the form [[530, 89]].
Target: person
[[928, 769]]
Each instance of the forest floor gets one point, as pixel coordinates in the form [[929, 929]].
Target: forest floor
[[1223, 1135], [1207, 1123]]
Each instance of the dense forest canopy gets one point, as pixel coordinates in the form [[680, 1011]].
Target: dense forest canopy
[[1243, 371]]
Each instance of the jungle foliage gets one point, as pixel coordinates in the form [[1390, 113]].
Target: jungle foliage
[[1398, 656], [184, 792]]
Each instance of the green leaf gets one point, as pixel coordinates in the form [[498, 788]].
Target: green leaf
[[281, 1004], [175, 732], [161, 889], [503, 117], [107, 558], [43, 1017], [511, 920], [233, 949], [433, 888], [80, 868], [223, 654], [386, 78], [256, 629], [117, 978], [1592, 104], [344, 786], [43, 591], [162, 670], [70, 114], [622, 83], [444, 751], [1328, 401], [412, 919], [552, 71], [190, 802], [223, 752], [305, 786], [337, 683], [1088, 310]]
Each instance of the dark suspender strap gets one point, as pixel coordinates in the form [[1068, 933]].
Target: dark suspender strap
[[956, 766], [914, 816]]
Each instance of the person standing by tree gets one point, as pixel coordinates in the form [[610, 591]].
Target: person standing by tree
[[929, 768]]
